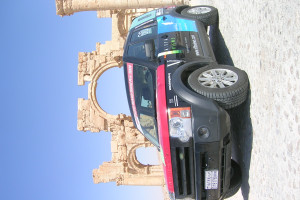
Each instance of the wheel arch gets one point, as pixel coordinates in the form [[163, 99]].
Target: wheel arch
[[205, 111], [181, 88], [177, 11]]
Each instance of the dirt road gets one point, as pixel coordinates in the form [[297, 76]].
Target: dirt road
[[263, 38]]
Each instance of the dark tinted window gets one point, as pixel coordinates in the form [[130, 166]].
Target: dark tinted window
[[145, 101], [137, 50]]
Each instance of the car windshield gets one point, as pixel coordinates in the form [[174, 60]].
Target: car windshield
[[144, 96]]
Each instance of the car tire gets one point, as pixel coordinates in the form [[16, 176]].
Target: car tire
[[208, 15], [235, 180], [227, 85]]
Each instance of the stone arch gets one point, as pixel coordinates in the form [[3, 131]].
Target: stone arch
[[148, 156], [93, 86], [124, 167], [133, 162], [121, 23]]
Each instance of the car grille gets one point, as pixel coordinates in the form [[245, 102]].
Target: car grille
[[222, 175], [201, 160], [189, 170], [183, 174]]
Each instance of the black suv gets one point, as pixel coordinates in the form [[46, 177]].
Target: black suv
[[179, 96]]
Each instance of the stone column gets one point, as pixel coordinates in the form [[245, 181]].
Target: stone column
[[68, 7], [144, 181]]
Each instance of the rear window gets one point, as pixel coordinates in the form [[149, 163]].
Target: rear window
[[137, 50]]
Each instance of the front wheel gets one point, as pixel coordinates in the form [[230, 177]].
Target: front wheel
[[208, 15], [227, 85]]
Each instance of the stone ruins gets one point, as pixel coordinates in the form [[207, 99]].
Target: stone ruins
[[124, 168], [127, 170], [69, 7]]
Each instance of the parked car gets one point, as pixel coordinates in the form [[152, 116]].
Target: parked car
[[179, 96]]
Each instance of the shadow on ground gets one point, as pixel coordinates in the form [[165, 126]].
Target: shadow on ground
[[242, 132]]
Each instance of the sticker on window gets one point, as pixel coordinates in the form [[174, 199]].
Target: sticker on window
[[131, 93], [211, 179], [144, 32]]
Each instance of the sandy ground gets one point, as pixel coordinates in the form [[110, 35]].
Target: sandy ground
[[263, 38]]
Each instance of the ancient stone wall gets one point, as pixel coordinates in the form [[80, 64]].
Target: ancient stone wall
[[124, 168], [91, 65]]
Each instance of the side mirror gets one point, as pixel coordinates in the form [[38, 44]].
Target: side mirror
[[150, 49]]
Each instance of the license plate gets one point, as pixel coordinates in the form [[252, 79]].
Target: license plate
[[211, 179]]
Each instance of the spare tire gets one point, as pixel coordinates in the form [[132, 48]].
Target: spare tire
[[208, 15]]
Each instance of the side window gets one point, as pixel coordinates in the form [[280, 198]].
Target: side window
[[144, 87], [138, 50], [148, 124]]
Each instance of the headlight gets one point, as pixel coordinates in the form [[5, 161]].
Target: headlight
[[176, 122], [180, 123], [183, 135]]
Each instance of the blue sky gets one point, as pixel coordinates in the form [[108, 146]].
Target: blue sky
[[43, 156]]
